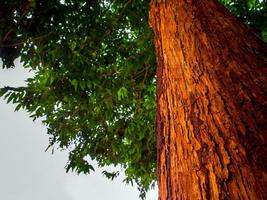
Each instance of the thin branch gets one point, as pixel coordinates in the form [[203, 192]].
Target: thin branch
[[20, 19], [33, 39], [16, 89]]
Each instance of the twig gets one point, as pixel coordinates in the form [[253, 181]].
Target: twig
[[19, 43]]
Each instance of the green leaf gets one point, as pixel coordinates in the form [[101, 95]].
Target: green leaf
[[110, 175], [11, 97], [82, 85], [122, 93], [3, 91], [18, 107], [74, 82]]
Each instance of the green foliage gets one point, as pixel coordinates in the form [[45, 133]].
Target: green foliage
[[252, 12], [94, 82]]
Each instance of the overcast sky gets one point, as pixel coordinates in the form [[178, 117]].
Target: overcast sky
[[27, 172]]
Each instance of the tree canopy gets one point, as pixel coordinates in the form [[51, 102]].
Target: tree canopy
[[94, 76]]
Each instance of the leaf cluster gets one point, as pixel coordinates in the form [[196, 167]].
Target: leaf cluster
[[94, 82]]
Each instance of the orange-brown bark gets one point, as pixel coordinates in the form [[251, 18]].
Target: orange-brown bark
[[211, 103]]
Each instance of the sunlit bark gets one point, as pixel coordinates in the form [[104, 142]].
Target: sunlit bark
[[211, 103]]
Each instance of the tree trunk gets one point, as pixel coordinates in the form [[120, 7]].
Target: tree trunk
[[211, 103]]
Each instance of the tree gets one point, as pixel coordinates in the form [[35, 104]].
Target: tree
[[95, 87], [94, 82], [211, 101]]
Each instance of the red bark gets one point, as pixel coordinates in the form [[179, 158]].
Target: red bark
[[211, 103]]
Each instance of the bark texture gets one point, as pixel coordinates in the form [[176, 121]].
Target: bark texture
[[211, 103]]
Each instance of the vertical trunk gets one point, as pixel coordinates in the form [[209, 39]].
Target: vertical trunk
[[211, 103]]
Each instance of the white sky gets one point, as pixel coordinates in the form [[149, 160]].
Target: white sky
[[27, 172]]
